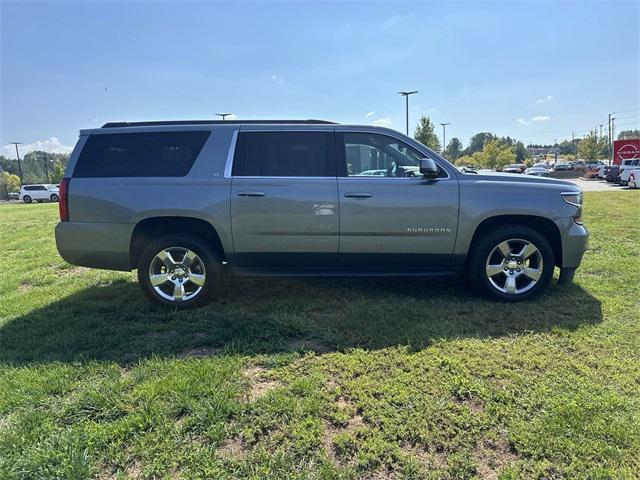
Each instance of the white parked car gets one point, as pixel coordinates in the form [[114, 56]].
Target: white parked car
[[634, 178], [39, 193], [625, 170]]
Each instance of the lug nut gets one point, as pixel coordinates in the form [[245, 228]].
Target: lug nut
[[173, 277], [517, 269]]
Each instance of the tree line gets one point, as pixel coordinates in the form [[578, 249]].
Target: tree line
[[485, 149], [35, 167]]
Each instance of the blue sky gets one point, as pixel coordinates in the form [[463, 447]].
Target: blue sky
[[537, 71]]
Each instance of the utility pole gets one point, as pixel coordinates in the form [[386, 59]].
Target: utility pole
[[46, 167], [223, 115], [573, 142], [406, 96], [610, 140], [613, 137], [444, 136], [601, 125], [18, 156]]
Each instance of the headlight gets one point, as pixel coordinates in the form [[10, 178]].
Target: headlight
[[573, 198]]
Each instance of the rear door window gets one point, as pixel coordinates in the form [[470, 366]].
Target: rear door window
[[284, 154], [151, 154]]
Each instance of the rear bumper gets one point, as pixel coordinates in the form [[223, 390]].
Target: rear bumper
[[95, 245], [575, 241]]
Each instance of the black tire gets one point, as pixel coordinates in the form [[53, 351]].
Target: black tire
[[485, 247], [54, 198], [27, 199], [209, 259]]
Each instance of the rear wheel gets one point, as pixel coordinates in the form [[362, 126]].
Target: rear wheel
[[27, 199], [512, 263], [179, 271]]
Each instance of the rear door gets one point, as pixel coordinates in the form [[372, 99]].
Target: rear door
[[284, 198], [398, 219]]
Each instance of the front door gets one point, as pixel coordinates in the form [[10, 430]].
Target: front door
[[284, 199], [390, 215]]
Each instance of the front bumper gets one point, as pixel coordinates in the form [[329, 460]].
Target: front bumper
[[575, 241]]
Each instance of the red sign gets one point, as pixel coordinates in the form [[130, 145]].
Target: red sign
[[626, 150]]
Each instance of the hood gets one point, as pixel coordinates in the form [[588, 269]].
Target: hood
[[519, 178]]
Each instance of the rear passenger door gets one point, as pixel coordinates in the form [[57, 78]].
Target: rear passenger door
[[284, 198]]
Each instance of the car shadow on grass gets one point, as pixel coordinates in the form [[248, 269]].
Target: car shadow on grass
[[114, 322]]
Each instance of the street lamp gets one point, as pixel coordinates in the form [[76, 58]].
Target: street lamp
[[444, 136], [18, 156], [224, 115], [406, 96]]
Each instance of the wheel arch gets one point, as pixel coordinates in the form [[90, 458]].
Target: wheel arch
[[150, 228], [542, 225]]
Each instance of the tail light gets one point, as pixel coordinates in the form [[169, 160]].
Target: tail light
[[63, 199]]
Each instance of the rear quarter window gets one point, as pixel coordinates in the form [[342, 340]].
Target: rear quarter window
[[151, 154]]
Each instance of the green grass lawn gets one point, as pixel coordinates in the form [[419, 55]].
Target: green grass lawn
[[389, 378]]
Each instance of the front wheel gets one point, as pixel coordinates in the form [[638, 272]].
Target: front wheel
[[27, 199], [512, 263], [54, 197], [179, 270]]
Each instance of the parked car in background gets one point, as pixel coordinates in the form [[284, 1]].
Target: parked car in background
[[14, 195], [283, 198], [612, 173], [625, 170], [39, 193], [515, 168], [602, 171], [537, 171], [634, 178], [560, 166]]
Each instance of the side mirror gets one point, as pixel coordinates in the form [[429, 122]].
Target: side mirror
[[428, 168]]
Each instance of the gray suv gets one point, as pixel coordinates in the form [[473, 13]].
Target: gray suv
[[184, 202]]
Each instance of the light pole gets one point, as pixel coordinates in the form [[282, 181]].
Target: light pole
[[18, 156], [406, 97], [444, 136], [46, 167], [223, 115], [610, 140]]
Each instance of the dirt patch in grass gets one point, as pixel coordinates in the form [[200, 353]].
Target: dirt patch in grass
[[260, 384], [25, 287], [474, 405], [70, 272], [491, 457], [232, 448]]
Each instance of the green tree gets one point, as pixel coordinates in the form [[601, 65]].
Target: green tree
[[494, 155], [11, 182], [477, 142], [58, 173], [454, 149], [521, 152], [628, 134], [425, 134], [592, 147]]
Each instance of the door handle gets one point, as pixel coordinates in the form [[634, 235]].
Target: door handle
[[252, 194], [358, 195]]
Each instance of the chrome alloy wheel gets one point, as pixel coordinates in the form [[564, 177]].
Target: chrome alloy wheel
[[177, 274], [514, 266]]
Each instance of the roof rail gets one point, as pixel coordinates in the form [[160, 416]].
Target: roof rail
[[216, 122]]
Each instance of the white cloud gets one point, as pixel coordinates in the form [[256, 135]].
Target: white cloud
[[369, 114], [382, 122], [537, 118], [51, 145], [277, 79], [548, 98]]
